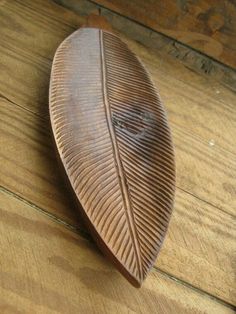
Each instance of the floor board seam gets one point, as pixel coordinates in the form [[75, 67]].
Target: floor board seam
[[23, 108], [85, 235], [46, 119], [207, 202], [32, 9], [41, 210], [130, 38], [198, 290], [155, 31]]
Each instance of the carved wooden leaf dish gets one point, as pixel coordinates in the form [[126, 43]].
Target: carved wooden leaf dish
[[114, 142]]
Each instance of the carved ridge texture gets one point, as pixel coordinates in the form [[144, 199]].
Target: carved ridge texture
[[113, 139]]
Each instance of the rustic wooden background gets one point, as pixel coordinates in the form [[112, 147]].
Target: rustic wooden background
[[206, 25], [199, 51], [48, 263]]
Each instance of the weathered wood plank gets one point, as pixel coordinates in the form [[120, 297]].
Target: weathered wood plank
[[199, 112], [196, 230], [195, 120], [207, 26], [48, 269], [191, 58], [200, 246], [205, 98], [194, 103], [29, 165]]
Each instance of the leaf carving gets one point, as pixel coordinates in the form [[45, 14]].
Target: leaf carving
[[114, 142]]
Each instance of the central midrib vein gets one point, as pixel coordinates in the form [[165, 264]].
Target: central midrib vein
[[118, 162]]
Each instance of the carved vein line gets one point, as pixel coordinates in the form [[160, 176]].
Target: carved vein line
[[118, 162]]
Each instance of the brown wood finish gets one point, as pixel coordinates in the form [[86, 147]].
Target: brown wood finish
[[206, 25], [46, 268], [199, 252], [200, 110], [192, 58], [199, 248], [113, 139]]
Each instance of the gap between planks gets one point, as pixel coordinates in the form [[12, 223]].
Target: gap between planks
[[21, 107], [206, 202], [177, 187], [46, 118], [191, 57], [86, 236]]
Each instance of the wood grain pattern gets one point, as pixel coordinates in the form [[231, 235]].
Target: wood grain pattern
[[190, 57], [208, 99], [35, 175], [114, 141], [49, 269], [208, 26], [209, 102], [200, 252], [199, 248], [195, 120]]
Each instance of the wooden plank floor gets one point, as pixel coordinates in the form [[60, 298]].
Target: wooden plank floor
[[207, 26], [48, 263]]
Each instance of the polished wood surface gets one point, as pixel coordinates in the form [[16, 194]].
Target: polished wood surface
[[114, 142], [197, 260]]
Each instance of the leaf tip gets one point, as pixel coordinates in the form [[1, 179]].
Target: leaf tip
[[135, 280]]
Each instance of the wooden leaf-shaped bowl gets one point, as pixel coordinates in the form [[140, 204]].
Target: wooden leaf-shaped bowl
[[114, 142]]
